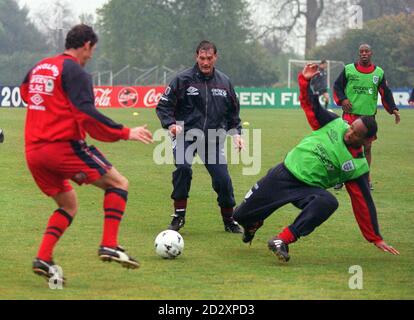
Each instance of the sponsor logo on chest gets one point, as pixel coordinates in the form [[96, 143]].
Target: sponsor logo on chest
[[191, 91], [47, 67], [333, 136], [219, 93]]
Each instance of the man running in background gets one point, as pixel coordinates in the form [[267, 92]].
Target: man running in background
[[319, 84], [356, 90]]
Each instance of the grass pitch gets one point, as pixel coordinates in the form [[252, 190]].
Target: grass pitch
[[215, 264]]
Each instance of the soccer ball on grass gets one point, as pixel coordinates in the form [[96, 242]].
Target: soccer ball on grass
[[169, 244]]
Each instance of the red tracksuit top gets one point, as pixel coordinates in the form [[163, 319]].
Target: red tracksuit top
[[61, 105]]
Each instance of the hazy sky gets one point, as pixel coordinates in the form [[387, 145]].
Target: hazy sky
[[78, 6]]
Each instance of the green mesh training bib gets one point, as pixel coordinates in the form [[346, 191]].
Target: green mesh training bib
[[322, 158], [362, 89]]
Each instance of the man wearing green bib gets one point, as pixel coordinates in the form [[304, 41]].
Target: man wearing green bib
[[331, 154], [356, 90]]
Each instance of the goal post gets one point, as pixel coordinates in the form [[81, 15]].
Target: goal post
[[295, 66]]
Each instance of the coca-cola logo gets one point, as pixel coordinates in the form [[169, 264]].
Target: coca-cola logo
[[103, 97], [152, 98], [128, 97]]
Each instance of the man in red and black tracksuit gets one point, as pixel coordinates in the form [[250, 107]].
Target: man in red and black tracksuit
[[332, 153], [60, 112], [356, 90]]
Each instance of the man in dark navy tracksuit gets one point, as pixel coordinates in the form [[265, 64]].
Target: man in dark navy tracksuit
[[200, 101], [319, 83]]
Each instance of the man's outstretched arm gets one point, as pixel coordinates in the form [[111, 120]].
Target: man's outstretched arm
[[317, 115], [365, 212], [388, 100]]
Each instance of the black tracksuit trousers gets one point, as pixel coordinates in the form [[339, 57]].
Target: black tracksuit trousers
[[212, 155], [280, 187]]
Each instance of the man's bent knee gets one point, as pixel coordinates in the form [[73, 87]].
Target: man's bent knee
[[331, 203], [67, 201], [121, 183], [240, 215], [112, 179], [72, 211]]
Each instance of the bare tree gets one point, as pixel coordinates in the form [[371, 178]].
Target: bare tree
[[374, 9], [314, 9], [288, 16], [54, 20], [316, 20], [87, 18], [307, 23]]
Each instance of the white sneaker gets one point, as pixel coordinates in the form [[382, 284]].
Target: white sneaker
[[119, 255]]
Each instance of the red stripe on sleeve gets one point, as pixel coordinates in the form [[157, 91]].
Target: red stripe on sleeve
[[336, 99], [384, 101], [362, 212], [305, 102]]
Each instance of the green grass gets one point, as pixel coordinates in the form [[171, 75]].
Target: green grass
[[215, 264]]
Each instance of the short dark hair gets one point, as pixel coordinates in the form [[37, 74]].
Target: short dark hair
[[323, 61], [79, 35], [206, 45], [365, 45], [371, 125]]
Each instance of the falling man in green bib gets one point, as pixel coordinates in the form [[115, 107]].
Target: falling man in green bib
[[331, 154], [356, 90]]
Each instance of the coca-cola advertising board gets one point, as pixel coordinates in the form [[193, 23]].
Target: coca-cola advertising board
[[127, 97]]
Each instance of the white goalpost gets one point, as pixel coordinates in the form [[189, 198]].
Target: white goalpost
[[296, 66]]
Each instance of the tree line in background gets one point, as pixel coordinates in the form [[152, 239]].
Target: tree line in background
[[392, 41], [160, 32], [255, 38], [21, 44]]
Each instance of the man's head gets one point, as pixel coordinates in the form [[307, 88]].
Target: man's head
[[361, 131], [81, 41], [365, 54], [323, 65], [206, 57]]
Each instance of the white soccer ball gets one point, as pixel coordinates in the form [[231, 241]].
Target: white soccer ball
[[169, 244]]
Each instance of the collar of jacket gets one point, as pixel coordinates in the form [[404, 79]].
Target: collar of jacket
[[362, 69], [201, 75]]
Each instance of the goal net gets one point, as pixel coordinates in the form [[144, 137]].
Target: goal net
[[296, 66]]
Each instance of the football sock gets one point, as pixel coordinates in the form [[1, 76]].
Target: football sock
[[287, 236], [114, 207], [180, 207], [227, 215], [58, 223]]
